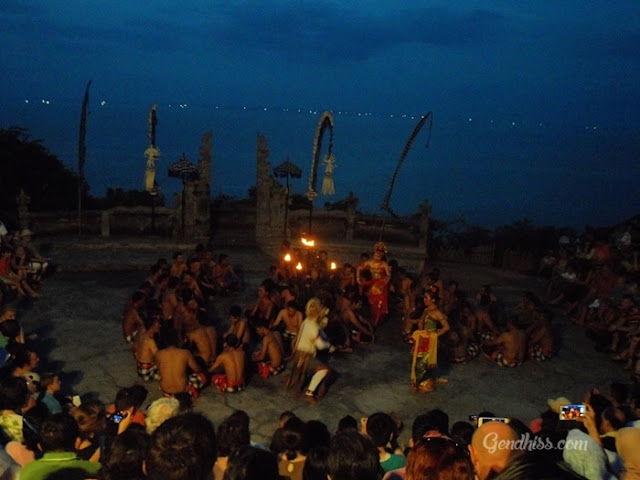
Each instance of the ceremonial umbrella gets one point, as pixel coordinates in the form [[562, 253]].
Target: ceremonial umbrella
[[286, 170], [185, 171]]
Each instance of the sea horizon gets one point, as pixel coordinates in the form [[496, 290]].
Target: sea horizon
[[491, 171]]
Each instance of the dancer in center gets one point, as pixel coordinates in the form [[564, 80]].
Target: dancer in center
[[310, 339], [373, 278], [432, 325]]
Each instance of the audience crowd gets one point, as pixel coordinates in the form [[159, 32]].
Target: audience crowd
[[303, 307]]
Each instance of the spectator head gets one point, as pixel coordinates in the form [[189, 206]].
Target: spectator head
[[91, 417], [250, 463], [10, 329], [315, 465], [186, 401], [347, 423], [233, 434], [138, 395], [182, 447], [613, 418], [13, 393], [380, 428], [421, 425], [439, 419], [352, 456], [316, 434], [58, 433], [23, 357], [462, 432], [159, 411], [284, 417], [439, 458], [599, 403], [292, 438], [124, 455], [125, 400], [49, 380], [487, 455]]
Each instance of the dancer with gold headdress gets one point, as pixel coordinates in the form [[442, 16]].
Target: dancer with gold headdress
[[373, 278]]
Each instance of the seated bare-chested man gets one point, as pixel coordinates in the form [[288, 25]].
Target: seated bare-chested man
[[264, 306], [450, 298], [204, 339], [169, 299], [270, 356], [132, 319], [189, 281], [226, 278], [288, 323], [239, 326], [348, 307], [540, 338], [179, 371], [178, 266], [185, 316], [228, 369], [144, 349], [509, 348]]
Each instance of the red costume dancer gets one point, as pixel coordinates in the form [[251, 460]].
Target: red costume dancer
[[375, 283]]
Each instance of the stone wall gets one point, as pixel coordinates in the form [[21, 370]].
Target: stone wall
[[115, 221]]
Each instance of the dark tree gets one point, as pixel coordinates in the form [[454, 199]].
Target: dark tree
[[27, 164]]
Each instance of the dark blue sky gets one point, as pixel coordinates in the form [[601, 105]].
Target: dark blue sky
[[536, 104]]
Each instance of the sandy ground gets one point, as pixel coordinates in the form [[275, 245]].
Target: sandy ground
[[78, 320]]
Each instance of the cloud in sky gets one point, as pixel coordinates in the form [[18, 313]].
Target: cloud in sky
[[511, 67], [186, 46]]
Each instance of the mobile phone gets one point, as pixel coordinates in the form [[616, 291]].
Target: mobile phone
[[572, 412], [116, 417], [483, 420], [76, 401]]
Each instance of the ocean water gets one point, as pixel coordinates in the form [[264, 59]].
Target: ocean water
[[490, 171]]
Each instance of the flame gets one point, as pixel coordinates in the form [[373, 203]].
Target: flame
[[299, 266], [308, 243], [287, 257], [333, 265]]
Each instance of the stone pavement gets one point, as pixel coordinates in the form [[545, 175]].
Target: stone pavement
[[78, 320]]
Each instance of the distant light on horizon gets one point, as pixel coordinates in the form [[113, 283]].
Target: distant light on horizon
[[363, 115]]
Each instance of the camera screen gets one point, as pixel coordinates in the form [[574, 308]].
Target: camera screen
[[572, 412], [483, 420]]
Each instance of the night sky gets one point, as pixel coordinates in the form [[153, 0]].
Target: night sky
[[536, 105]]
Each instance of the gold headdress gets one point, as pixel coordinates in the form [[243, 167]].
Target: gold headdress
[[380, 247]]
